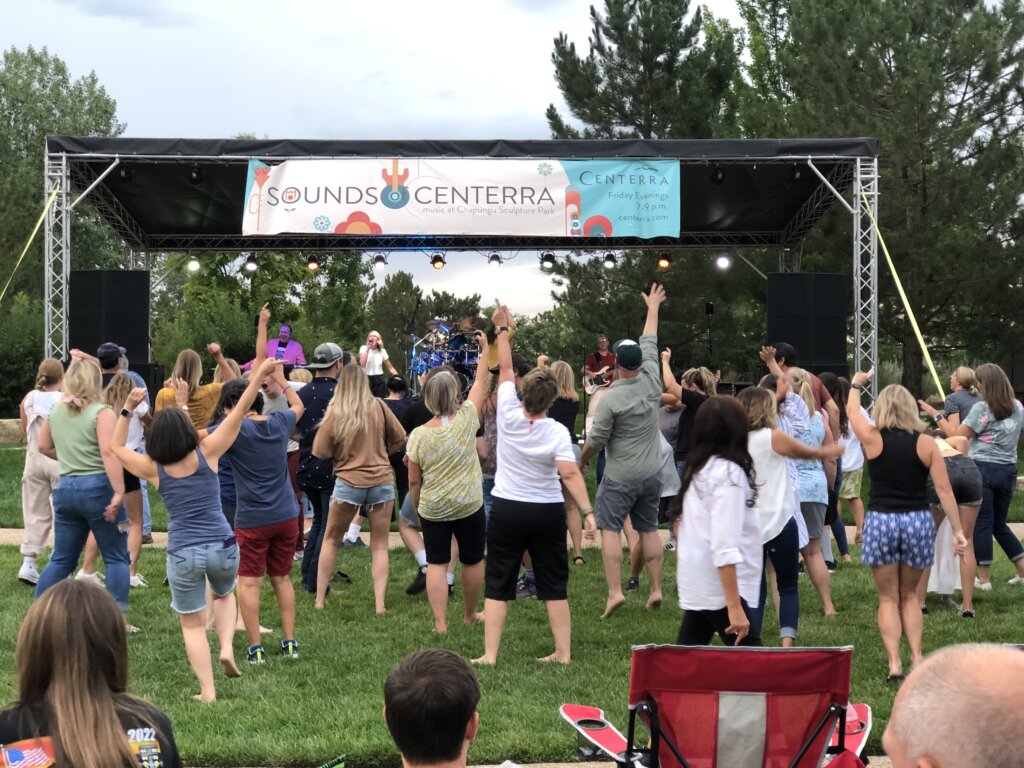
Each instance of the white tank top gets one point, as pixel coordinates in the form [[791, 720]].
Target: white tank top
[[38, 405], [774, 488]]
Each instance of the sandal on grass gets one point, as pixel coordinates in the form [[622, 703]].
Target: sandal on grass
[[578, 560]]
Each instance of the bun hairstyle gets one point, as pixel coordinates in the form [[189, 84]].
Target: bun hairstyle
[[967, 379], [50, 373]]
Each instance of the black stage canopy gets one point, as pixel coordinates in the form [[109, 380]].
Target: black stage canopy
[[188, 194]]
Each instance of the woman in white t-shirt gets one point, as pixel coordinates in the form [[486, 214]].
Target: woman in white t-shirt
[[373, 358], [41, 472], [718, 555], [528, 512]]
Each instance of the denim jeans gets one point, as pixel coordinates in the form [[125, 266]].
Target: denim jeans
[[147, 517], [998, 482], [78, 504], [320, 498], [488, 489], [784, 552], [600, 466]]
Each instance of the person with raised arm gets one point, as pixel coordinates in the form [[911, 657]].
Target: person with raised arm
[[373, 359], [202, 398], [201, 546], [626, 428], [899, 533], [528, 512]]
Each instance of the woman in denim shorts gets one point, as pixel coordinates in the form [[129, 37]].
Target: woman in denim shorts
[[200, 544], [899, 533], [359, 433]]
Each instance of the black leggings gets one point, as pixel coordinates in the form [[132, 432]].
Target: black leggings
[[469, 532], [700, 626]]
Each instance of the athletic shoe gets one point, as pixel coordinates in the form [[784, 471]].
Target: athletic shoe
[[95, 577], [346, 544], [147, 538], [983, 586], [419, 583], [297, 557], [832, 565], [1017, 581], [670, 545], [138, 581], [966, 614], [633, 584], [525, 588], [290, 649], [28, 574], [451, 590], [256, 655]]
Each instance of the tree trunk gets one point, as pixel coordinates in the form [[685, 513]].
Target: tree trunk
[[913, 360]]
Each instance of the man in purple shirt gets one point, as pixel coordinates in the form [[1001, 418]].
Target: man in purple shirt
[[283, 348]]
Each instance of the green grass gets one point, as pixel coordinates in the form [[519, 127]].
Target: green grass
[[329, 701]]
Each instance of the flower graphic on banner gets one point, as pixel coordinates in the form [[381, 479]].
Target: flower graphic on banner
[[545, 169], [358, 223], [262, 173], [321, 223]]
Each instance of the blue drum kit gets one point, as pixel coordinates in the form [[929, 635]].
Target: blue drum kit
[[447, 343]]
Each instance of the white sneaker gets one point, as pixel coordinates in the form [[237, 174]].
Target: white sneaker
[[138, 581], [983, 586], [1017, 581], [96, 577], [28, 574]]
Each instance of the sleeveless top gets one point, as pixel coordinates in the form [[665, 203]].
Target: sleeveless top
[[38, 405], [194, 514], [813, 481], [775, 492], [74, 435], [899, 480]]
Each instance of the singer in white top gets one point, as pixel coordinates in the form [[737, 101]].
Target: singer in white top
[[373, 358]]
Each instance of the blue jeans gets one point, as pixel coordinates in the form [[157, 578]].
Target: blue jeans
[[320, 499], [784, 552], [600, 466], [488, 489], [998, 482], [78, 504]]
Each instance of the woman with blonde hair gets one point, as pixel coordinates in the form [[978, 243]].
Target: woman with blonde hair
[[91, 487], [221, 377], [202, 398], [41, 473], [992, 429], [73, 702], [359, 433], [565, 410], [373, 358], [899, 532], [446, 486], [963, 395], [816, 477]]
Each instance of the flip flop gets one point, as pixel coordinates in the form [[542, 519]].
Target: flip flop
[[893, 679], [578, 560]]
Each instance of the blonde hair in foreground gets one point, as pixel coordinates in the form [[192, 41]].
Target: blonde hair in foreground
[[565, 380], [84, 381], [72, 659], [350, 406], [801, 381], [896, 408], [759, 403]]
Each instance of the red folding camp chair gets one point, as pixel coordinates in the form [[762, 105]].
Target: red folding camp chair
[[714, 707]]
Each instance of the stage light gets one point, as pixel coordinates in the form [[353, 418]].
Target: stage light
[[717, 174], [547, 260], [609, 260], [313, 263], [795, 173], [193, 264], [251, 265], [126, 172], [494, 260], [195, 174], [380, 261], [664, 260], [437, 261], [723, 262]]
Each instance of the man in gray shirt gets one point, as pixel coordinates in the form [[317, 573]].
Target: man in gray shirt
[[626, 427]]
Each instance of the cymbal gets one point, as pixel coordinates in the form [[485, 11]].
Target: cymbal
[[472, 323], [438, 323]]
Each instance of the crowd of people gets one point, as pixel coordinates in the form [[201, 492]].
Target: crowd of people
[[492, 480]]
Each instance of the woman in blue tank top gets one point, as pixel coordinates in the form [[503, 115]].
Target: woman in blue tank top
[[201, 546]]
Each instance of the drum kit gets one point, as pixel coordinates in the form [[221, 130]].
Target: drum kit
[[446, 343]]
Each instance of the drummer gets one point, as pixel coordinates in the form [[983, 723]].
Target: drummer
[[373, 358]]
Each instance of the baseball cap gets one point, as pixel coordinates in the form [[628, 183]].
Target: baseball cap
[[109, 354], [325, 355], [628, 354]]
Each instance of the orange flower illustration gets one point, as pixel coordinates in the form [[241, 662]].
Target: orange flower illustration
[[358, 223]]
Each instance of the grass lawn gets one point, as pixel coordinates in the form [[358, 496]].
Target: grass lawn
[[306, 711]]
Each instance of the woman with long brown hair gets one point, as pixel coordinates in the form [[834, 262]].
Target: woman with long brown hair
[[201, 397], [41, 472], [73, 707], [359, 432]]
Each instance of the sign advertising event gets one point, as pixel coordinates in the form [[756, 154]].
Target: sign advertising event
[[410, 196]]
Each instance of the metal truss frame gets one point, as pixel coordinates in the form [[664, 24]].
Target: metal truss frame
[[865, 270], [57, 256]]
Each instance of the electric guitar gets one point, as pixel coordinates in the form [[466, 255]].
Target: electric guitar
[[598, 382]]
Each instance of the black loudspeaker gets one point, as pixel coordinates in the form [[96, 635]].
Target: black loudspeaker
[[810, 311], [110, 305]]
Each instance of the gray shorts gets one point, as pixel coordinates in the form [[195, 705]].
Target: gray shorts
[[638, 500], [814, 516]]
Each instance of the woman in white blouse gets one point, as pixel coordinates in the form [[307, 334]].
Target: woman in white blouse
[[373, 358]]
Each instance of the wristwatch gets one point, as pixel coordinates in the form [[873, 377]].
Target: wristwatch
[[858, 387], [501, 328], [184, 408], [126, 413]]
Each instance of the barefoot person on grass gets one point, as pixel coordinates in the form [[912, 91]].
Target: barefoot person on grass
[[626, 428], [201, 546], [447, 487], [528, 512]]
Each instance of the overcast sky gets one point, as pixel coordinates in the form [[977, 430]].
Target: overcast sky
[[320, 69]]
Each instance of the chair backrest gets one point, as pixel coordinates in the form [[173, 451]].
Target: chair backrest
[[742, 707]]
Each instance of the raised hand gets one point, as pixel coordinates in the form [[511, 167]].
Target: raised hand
[[656, 296], [498, 316], [666, 356], [862, 377], [265, 313], [766, 354], [136, 396], [181, 393], [214, 349], [269, 367]]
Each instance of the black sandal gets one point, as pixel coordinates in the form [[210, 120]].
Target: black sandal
[[894, 679], [578, 560]]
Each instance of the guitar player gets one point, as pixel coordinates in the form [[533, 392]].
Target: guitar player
[[599, 372]]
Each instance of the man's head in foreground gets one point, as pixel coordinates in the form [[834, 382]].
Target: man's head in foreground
[[430, 700], [960, 708]]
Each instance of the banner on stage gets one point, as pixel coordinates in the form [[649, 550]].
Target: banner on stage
[[454, 196]]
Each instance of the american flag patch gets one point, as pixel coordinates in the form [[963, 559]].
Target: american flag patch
[[28, 754]]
